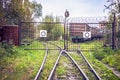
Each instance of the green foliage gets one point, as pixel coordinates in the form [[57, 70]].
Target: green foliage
[[2, 52], [118, 34], [109, 57], [20, 10], [99, 55], [37, 9], [56, 32], [48, 18], [6, 49], [53, 26], [20, 64], [100, 68], [102, 53], [109, 75], [113, 60]]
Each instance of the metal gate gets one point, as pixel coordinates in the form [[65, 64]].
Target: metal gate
[[35, 34], [89, 35], [83, 33]]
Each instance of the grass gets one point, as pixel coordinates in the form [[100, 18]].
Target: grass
[[83, 65], [51, 59], [22, 65], [94, 56], [35, 45], [65, 69], [60, 43], [90, 45], [100, 68], [113, 60], [62, 69]]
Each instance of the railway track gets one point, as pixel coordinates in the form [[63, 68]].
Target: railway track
[[47, 61], [85, 65], [74, 68], [42, 65], [89, 65], [66, 70]]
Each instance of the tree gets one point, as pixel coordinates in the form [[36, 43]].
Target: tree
[[53, 27], [114, 7], [19, 10], [37, 9]]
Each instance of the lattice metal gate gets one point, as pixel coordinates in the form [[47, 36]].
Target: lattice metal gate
[[83, 33], [35, 34], [86, 37]]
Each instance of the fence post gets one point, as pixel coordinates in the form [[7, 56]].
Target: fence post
[[113, 30], [19, 33]]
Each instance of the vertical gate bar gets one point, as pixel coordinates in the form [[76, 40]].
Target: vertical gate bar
[[67, 37], [64, 33]]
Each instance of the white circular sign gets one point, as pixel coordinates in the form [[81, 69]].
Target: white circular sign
[[86, 34], [43, 33]]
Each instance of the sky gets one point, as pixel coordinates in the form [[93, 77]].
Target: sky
[[76, 8]]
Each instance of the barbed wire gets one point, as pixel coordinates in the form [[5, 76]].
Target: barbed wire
[[84, 19]]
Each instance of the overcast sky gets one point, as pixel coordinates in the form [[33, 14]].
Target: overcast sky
[[77, 8]]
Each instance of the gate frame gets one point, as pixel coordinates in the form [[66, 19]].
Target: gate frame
[[65, 23]]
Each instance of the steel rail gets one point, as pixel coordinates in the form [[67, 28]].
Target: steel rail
[[79, 68], [55, 45], [91, 68], [42, 65], [75, 63], [55, 65], [41, 49]]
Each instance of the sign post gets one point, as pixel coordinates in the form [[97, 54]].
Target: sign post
[[65, 43]]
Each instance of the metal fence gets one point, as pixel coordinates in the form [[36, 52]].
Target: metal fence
[[88, 36], [74, 33], [35, 34]]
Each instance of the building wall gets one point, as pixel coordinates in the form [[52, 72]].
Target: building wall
[[77, 29], [10, 34], [1, 33]]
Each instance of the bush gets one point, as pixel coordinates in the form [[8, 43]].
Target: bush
[[6, 49], [102, 53], [118, 34], [99, 54], [2, 52], [113, 60]]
